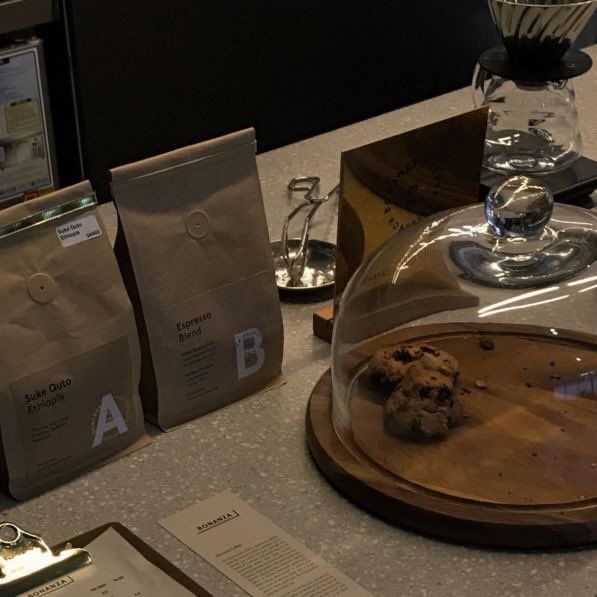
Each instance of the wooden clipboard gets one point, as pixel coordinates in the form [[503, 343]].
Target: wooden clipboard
[[150, 554]]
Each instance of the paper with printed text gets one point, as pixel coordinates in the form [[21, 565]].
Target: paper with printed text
[[254, 553]]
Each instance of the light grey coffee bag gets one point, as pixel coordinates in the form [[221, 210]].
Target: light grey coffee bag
[[196, 260], [69, 351]]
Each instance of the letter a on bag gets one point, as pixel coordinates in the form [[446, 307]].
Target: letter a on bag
[[109, 418]]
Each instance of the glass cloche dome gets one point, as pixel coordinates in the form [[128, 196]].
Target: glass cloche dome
[[465, 352]]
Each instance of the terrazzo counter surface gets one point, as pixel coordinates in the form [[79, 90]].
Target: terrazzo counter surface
[[256, 448]]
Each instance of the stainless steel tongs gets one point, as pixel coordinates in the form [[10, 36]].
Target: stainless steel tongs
[[309, 185]]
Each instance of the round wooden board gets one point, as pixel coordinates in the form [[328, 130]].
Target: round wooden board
[[510, 476]]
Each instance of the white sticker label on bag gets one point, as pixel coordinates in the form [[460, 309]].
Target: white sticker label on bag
[[250, 355], [78, 231]]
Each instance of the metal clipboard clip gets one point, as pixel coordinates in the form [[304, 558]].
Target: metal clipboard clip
[[26, 562]]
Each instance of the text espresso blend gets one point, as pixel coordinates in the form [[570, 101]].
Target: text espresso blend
[[69, 354], [197, 264], [187, 330]]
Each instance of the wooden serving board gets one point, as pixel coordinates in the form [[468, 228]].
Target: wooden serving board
[[522, 469]]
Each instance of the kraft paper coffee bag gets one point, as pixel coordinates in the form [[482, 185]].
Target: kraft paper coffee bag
[[69, 351], [196, 259]]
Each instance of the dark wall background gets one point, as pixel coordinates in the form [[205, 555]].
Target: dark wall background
[[153, 75], [62, 105]]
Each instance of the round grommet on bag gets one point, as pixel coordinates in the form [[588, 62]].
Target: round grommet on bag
[[41, 288], [197, 224]]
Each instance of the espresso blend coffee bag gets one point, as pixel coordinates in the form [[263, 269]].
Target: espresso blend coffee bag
[[198, 265], [69, 352]]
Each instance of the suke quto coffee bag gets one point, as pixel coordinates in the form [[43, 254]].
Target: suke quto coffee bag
[[198, 265], [69, 354]]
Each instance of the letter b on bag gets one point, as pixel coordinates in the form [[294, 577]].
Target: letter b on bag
[[250, 354], [109, 418]]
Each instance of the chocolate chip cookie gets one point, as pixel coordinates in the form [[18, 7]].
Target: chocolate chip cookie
[[421, 379], [416, 418], [388, 366]]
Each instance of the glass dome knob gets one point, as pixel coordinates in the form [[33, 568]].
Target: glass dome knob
[[519, 207]]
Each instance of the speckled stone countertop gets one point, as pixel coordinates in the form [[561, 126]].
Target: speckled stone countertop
[[257, 448]]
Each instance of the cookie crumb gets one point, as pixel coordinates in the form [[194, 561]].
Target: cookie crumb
[[481, 384], [556, 376], [593, 464], [486, 343]]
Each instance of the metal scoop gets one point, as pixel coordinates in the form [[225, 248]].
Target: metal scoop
[[295, 264]]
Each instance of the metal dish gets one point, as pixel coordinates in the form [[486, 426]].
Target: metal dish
[[320, 266]]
